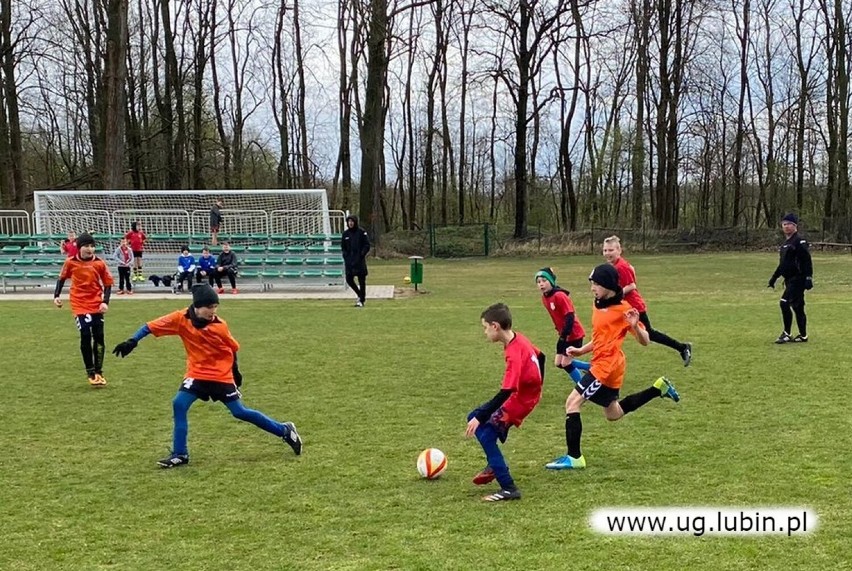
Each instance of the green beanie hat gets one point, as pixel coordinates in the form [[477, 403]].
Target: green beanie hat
[[548, 274]]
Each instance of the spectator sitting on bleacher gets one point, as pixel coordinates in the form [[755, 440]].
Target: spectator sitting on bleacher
[[69, 245], [226, 265], [186, 268], [123, 257], [206, 267]]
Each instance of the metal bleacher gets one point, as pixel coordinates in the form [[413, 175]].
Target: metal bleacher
[[266, 261]]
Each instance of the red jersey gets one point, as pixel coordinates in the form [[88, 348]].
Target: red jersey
[[70, 248], [609, 328], [136, 240], [522, 377], [209, 351], [627, 276], [558, 304], [88, 280]]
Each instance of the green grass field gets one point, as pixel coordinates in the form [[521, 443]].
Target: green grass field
[[759, 425]]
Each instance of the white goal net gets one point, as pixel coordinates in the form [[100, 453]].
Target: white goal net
[[250, 215]]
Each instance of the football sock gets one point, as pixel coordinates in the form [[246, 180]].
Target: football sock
[[86, 350], [255, 417], [98, 348], [574, 373], [573, 431], [801, 320], [582, 365], [634, 401], [180, 407], [662, 339], [786, 317]]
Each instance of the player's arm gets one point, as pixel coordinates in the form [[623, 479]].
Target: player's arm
[[636, 327], [568, 322], [806, 265], [57, 291], [107, 281], [235, 369], [124, 348], [577, 351], [365, 244]]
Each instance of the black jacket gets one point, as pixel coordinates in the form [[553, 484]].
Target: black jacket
[[228, 261], [354, 244], [215, 215], [795, 260]]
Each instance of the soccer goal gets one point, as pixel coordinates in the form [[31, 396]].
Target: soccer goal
[[185, 214]]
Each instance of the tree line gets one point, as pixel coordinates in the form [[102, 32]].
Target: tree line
[[558, 113]]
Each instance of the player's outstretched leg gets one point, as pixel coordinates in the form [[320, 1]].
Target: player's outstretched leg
[[180, 408], [487, 436], [286, 431]]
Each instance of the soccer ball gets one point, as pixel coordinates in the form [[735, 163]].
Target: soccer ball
[[431, 463], [406, 279]]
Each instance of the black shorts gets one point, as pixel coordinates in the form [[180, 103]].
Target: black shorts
[[794, 291], [562, 345], [214, 228], [86, 321], [137, 253], [211, 390], [593, 390]]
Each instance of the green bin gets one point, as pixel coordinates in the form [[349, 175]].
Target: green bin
[[415, 272]]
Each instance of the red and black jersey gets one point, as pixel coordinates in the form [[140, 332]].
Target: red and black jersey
[[558, 304], [522, 377], [627, 276]]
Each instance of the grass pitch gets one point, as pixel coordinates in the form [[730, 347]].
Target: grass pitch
[[759, 425]]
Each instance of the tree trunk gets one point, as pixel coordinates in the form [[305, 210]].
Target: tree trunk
[[115, 75]]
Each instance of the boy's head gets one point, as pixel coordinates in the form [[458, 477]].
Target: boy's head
[[123, 243], [205, 301], [351, 221], [205, 251], [220, 202], [226, 247], [545, 279], [72, 235], [604, 279], [85, 245], [134, 226], [185, 250], [612, 249], [496, 319]]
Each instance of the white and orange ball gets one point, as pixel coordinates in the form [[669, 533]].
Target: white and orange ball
[[431, 463]]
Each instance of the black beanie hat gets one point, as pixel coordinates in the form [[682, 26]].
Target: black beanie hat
[[85, 239], [204, 296], [606, 276], [792, 218], [548, 274]]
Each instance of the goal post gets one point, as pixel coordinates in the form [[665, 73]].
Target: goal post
[[178, 213]]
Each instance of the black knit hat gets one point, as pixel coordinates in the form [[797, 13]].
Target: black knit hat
[[791, 217], [548, 274], [85, 239], [606, 276], [204, 296]]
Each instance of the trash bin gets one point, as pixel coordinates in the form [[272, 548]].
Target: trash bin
[[415, 272]]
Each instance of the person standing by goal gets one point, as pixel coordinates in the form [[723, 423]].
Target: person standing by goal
[[216, 219]]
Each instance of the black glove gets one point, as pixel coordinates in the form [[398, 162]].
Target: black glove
[[235, 370], [771, 283], [124, 348], [809, 283]]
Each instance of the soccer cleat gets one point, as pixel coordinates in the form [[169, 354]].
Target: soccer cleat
[[120, 292], [292, 438], [783, 338], [686, 354], [220, 290], [98, 381], [800, 339], [235, 291], [667, 389], [359, 304], [174, 461], [567, 463], [503, 495], [484, 477]]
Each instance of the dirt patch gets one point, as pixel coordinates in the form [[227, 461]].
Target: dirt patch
[[406, 292]]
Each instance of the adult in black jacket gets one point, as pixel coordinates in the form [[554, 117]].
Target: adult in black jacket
[[226, 266], [216, 219], [355, 244], [796, 268]]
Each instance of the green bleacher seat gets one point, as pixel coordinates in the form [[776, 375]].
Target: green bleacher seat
[[216, 250], [334, 248], [239, 237], [316, 249], [312, 274], [51, 250], [274, 261], [299, 237], [159, 237], [20, 238], [237, 249], [256, 249], [31, 250], [277, 249], [14, 275], [278, 237], [259, 236], [249, 274], [58, 236], [116, 236], [333, 273], [270, 274], [41, 237], [335, 237], [101, 236], [293, 261], [318, 237], [48, 262], [35, 275], [195, 248], [24, 262], [290, 274], [10, 249], [334, 261], [99, 249], [6, 262], [315, 261], [252, 262], [51, 275], [203, 238], [296, 249], [4, 237], [181, 237]]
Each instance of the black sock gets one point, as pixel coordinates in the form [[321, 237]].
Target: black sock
[[801, 320], [573, 432], [634, 401], [787, 317], [86, 351]]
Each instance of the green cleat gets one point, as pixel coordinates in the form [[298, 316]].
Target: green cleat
[[667, 389]]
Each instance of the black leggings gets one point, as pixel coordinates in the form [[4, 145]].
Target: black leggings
[[92, 347], [124, 278], [232, 278], [659, 336], [360, 289]]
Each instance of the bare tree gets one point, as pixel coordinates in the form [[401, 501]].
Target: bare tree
[[115, 74]]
